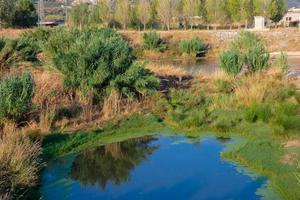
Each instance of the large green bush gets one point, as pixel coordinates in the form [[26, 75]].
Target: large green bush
[[246, 51], [16, 93], [194, 46], [96, 61], [152, 41]]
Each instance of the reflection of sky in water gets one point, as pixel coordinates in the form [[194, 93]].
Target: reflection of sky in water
[[169, 168]]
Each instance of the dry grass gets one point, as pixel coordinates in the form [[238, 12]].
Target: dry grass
[[47, 120], [19, 160], [167, 70]]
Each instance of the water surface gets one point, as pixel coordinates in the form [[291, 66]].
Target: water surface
[[157, 167]]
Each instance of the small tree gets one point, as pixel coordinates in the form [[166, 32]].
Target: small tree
[[143, 12], [25, 14], [16, 93], [122, 12], [277, 10], [190, 9], [79, 15], [7, 11], [166, 10], [105, 11]]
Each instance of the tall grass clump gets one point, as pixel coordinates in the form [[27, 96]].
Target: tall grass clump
[[186, 108], [19, 162], [193, 47], [231, 62], [16, 93], [152, 41], [246, 54], [98, 62], [282, 62]]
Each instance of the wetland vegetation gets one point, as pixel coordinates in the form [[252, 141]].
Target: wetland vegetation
[[71, 90]]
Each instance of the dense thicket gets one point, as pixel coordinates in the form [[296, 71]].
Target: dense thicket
[[96, 61]]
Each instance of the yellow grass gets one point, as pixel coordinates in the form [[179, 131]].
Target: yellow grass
[[19, 160]]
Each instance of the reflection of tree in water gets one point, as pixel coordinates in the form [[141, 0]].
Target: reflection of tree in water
[[112, 162]]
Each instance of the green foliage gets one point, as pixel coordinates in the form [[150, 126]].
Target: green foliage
[[258, 112], [225, 120], [97, 61], [16, 93], [187, 108], [19, 13], [192, 46], [231, 62], [248, 51], [224, 86], [25, 14], [136, 81], [257, 58], [282, 62], [277, 10], [37, 37], [287, 116], [2, 43], [152, 41]]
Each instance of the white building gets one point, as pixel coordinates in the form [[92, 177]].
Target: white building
[[292, 17], [259, 22]]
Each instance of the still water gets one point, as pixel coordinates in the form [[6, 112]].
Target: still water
[[158, 167], [210, 65]]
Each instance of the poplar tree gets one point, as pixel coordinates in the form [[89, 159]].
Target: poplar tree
[[143, 12]]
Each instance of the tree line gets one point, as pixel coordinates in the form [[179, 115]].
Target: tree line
[[184, 13]]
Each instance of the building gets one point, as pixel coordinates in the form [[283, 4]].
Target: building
[[259, 22], [291, 18]]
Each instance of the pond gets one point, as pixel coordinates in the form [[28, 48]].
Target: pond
[[210, 65], [151, 167]]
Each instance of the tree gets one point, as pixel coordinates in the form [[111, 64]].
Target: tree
[[79, 15], [105, 11], [235, 8], [261, 7], [248, 11], [216, 11], [166, 10], [25, 14], [277, 10], [190, 9], [7, 10], [122, 12], [143, 12]]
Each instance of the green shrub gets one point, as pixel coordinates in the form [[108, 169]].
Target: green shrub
[[225, 120], [192, 46], [16, 93], [231, 62], [37, 37], [152, 41], [182, 104], [96, 62], [247, 50], [258, 112], [287, 116], [257, 58]]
